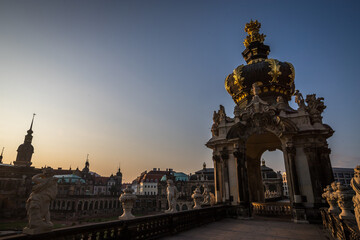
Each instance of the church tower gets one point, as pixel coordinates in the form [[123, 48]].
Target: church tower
[[25, 150]]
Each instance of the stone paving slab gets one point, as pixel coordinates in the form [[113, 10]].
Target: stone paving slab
[[231, 229]]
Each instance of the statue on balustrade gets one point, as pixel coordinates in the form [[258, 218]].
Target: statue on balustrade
[[172, 195], [355, 184], [37, 205]]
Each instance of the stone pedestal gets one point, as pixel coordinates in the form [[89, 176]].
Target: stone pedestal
[[127, 200]]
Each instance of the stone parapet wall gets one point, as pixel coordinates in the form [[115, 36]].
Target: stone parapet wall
[[343, 229]]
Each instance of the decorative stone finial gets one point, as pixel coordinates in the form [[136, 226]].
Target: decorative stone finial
[[37, 205], [331, 199], [197, 198], [252, 28], [172, 195], [355, 184], [127, 200], [344, 197]]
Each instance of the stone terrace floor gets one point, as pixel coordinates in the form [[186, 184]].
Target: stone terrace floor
[[258, 228]]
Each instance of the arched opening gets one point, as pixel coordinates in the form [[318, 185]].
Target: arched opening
[[184, 207], [273, 172], [86, 204], [79, 206], [256, 145]]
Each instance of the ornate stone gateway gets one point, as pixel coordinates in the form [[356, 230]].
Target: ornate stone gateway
[[263, 120]]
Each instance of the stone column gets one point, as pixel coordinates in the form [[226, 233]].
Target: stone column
[[197, 198], [298, 210], [127, 199], [240, 158], [290, 154], [355, 184], [218, 192], [226, 184], [315, 172]]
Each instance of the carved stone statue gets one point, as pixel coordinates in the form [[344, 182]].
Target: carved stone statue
[[206, 195], [315, 107], [172, 195], [37, 205], [344, 197], [280, 103], [331, 199], [222, 114], [127, 200], [299, 99], [355, 184], [197, 198], [215, 126]]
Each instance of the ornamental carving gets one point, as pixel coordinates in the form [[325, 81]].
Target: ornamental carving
[[331, 199], [253, 29], [291, 75], [217, 118], [238, 79], [355, 184], [315, 107], [344, 199], [38, 203], [274, 70]]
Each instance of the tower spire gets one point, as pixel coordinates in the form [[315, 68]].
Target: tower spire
[[32, 121]]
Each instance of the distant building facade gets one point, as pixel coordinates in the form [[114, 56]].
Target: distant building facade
[[80, 193], [272, 181], [343, 175], [285, 185]]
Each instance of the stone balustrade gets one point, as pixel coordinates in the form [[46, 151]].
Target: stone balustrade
[[343, 224], [146, 227], [272, 209]]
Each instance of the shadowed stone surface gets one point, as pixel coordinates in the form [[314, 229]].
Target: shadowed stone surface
[[254, 229]]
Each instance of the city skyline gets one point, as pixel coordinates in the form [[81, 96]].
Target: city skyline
[[136, 83]]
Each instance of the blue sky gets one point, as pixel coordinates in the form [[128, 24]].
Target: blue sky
[[135, 82]]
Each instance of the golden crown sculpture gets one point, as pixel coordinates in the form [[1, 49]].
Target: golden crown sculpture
[[252, 28]]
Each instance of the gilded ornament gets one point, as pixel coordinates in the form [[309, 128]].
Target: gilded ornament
[[238, 78], [291, 75], [252, 29], [227, 87], [274, 70], [256, 60]]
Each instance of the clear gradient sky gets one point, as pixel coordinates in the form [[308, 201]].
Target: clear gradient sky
[[136, 82]]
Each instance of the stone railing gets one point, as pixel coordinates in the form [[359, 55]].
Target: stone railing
[[146, 227], [343, 202], [343, 229], [272, 209]]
